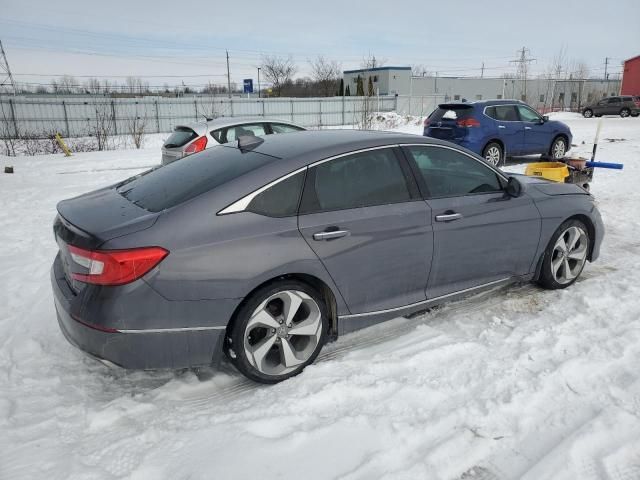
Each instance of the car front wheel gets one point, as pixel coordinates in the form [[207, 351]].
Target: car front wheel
[[558, 148], [278, 331], [565, 256], [625, 112], [493, 154], [588, 113]]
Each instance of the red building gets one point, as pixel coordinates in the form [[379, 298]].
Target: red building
[[631, 77]]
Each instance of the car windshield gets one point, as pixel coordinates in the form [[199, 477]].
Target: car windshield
[[180, 136], [173, 184]]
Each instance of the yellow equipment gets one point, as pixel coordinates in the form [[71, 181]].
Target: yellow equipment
[[555, 171]]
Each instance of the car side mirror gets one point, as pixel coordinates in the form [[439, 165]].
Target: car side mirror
[[514, 187], [545, 118]]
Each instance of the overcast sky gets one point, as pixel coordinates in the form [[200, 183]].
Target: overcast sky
[[172, 41]]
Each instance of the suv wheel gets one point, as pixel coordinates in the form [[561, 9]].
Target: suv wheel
[[493, 154], [625, 112], [558, 148], [278, 331], [588, 113]]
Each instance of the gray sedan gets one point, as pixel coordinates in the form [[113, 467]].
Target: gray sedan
[[267, 249], [197, 136]]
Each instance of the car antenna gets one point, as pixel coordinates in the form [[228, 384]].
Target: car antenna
[[207, 119], [246, 143]]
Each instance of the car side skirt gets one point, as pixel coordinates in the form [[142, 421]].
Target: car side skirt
[[353, 322]]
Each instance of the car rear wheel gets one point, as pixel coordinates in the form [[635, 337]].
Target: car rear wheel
[[558, 148], [493, 154], [565, 256], [588, 113], [278, 331], [625, 112]]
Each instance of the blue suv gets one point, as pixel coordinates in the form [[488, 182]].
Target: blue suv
[[496, 129]]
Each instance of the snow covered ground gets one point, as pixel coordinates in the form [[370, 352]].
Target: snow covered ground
[[514, 383]]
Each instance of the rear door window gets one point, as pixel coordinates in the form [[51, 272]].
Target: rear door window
[[363, 179], [180, 137], [177, 182], [257, 129], [506, 113]]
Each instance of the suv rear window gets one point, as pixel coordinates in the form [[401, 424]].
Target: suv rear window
[[177, 182], [180, 136], [450, 112]]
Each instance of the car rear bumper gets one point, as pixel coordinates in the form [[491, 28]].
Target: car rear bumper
[[143, 349]]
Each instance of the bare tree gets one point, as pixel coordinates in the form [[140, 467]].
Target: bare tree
[[371, 61], [65, 85], [92, 86], [103, 126], [419, 70], [136, 85], [278, 70], [326, 74], [136, 127]]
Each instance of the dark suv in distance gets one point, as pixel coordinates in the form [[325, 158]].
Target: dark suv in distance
[[495, 129], [625, 105]]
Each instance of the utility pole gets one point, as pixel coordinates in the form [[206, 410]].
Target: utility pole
[[6, 78], [606, 67], [482, 71], [523, 67], [259, 82], [228, 76], [435, 83]]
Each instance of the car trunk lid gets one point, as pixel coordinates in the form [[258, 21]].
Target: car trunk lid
[[90, 220], [449, 121]]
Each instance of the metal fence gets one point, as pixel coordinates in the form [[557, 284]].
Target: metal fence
[[78, 116]]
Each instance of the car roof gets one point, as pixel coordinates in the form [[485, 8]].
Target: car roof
[[301, 148], [221, 122]]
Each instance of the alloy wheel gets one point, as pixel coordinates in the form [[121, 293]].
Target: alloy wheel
[[624, 113], [559, 149], [588, 114], [569, 254], [492, 155], [283, 332]]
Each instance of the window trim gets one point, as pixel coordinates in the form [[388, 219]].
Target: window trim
[[242, 203], [426, 195]]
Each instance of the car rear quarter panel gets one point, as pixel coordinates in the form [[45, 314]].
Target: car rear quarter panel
[[226, 256]]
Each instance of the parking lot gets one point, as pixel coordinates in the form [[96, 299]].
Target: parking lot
[[514, 383]]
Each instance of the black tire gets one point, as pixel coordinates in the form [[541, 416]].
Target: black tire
[[546, 278], [489, 154], [235, 338], [625, 112], [556, 148], [587, 113]]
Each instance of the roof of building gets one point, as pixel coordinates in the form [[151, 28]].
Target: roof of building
[[632, 59], [376, 69]]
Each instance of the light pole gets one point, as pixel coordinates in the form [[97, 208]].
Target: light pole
[[258, 82]]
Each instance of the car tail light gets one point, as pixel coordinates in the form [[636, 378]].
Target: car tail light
[[637, 101], [426, 122], [197, 146], [115, 267], [468, 122]]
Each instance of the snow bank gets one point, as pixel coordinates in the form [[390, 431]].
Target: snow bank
[[514, 383]]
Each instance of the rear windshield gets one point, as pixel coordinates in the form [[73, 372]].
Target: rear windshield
[[450, 112], [177, 182], [180, 136]]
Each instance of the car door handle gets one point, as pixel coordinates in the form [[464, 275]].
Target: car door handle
[[331, 234], [501, 126], [448, 217], [527, 128]]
